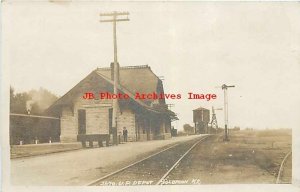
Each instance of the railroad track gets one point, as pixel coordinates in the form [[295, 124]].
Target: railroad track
[[280, 178], [151, 170]]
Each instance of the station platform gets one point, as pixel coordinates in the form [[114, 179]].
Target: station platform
[[18, 151], [79, 167]]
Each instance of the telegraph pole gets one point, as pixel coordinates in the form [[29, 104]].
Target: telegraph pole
[[170, 106], [114, 18], [225, 87]]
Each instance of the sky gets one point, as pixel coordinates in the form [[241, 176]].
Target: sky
[[195, 46]]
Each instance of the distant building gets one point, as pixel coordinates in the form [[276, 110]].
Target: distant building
[[201, 118], [144, 119], [236, 128], [188, 129]]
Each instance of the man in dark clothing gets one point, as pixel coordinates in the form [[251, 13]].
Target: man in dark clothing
[[125, 133]]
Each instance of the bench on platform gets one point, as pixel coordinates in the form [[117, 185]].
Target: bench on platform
[[83, 138]]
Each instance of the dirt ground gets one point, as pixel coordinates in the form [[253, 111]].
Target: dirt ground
[[80, 167], [249, 157]]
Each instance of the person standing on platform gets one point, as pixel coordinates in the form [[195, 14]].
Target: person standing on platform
[[125, 134]]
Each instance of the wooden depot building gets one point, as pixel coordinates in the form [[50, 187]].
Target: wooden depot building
[[145, 119]]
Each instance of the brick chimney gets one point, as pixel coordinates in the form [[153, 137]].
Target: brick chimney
[[112, 71]]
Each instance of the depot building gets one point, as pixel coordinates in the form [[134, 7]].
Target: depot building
[[145, 119]]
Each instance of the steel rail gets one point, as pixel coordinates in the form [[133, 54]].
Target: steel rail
[[134, 163], [178, 161], [126, 167], [281, 167]]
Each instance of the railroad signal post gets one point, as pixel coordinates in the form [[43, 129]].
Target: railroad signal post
[[225, 87], [114, 18]]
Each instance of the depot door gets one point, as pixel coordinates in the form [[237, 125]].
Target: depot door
[[81, 121]]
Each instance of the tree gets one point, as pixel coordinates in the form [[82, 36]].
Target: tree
[[35, 100], [18, 101], [42, 99], [188, 129]]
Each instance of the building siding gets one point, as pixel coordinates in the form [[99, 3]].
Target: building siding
[[127, 119], [141, 123], [68, 129], [97, 120]]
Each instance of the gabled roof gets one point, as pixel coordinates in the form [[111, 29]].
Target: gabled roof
[[201, 109], [135, 78], [132, 79]]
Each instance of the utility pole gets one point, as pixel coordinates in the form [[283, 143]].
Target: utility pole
[[114, 18], [170, 106], [225, 87]]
